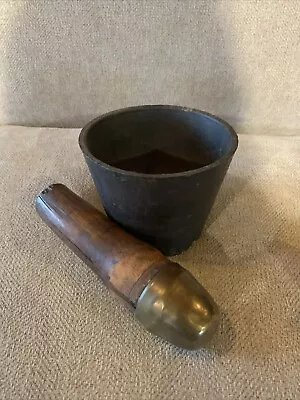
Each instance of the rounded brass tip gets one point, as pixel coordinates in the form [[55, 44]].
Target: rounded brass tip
[[177, 308]]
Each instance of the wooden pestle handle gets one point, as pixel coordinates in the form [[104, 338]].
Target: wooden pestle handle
[[124, 263]]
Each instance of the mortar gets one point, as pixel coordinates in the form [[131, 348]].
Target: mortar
[[158, 170]]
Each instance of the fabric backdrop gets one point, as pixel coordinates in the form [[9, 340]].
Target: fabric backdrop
[[64, 62], [63, 336]]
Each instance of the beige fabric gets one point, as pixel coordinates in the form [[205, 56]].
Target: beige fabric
[[64, 62], [64, 337]]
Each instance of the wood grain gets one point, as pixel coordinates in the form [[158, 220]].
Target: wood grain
[[124, 263]]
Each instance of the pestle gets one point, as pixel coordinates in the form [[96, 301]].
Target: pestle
[[166, 299]]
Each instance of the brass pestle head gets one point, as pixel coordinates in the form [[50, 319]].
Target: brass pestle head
[[176, 307]]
